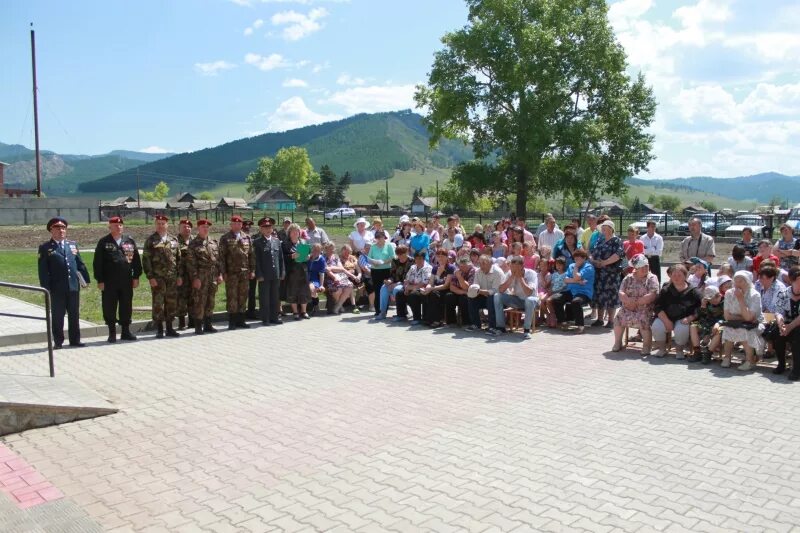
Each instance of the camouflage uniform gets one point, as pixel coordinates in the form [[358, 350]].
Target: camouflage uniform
[[161, 262], [237, 262], [185, 290], [203, 263]]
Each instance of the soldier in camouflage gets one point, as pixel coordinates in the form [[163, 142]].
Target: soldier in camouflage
[[203, 267], [185, 288], [160, 263], [238, 266]]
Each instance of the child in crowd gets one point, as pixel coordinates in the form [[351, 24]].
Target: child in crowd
[[530, 258], [544, 288], [499, 249], [739, 260], [545, 253], [705, 332], [516, 248], [503, 265], [557, 285], [764, 254]]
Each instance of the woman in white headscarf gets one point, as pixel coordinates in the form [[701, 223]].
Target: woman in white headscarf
[[744, 321]]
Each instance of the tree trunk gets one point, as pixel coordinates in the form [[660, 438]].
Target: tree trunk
[[522, 191]]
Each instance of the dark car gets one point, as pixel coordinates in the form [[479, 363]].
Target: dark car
[[713, 224]]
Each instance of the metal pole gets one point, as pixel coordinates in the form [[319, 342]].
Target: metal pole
[[138, 190], [36, 117], [386, 214], [47, 306]]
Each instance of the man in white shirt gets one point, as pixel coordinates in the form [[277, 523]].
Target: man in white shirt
[[520, 291], [316, 235], [653, 248], [551, 235], [488, 279], [454, 240]]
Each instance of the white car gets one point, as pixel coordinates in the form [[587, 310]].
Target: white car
[[664, 226], [341, 212], [794, 219], [754, 222]]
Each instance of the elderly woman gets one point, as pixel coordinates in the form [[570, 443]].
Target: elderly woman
[[608, 261], [566, 247], [769, 287], [420, 239], [350, 264], [403, 234], [297, 292], [338, 283], [743, 321], [416, 279], [360, 236], [786, 248], [637, 293], [437, 288], [788, 318], [432, 228], [676, 308], [393, 285]]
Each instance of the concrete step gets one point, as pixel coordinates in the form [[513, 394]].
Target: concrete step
[[28, 402]]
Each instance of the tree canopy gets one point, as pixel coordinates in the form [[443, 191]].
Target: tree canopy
[[540, 89], [159, 193], [290, 170]]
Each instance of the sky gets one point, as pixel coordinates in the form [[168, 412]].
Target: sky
[[182, 75]]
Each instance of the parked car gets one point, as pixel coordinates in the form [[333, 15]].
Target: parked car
[[794, 219], [341, 212], [708, 223], [754, 222], [665, 224]]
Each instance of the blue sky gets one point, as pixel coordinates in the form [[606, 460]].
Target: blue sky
[[181, 75]]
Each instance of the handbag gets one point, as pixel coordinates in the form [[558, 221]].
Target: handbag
[[771, 331]]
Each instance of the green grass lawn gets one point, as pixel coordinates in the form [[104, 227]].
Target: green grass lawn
[[401, 185]]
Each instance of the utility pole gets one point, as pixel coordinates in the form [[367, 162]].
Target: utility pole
[[437, 195], [138, 190], [36, 117], [387, 197]]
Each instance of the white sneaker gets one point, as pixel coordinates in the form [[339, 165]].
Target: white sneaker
[[661, 352], [747, 365], [726, 362]]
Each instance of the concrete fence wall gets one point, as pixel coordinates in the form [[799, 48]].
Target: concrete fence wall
[[26, 211]]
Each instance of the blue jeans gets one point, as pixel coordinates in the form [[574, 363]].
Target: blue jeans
[[384, 303], [502, 301], [475, 306]]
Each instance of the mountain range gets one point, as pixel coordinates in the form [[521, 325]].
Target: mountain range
[[369, 146]]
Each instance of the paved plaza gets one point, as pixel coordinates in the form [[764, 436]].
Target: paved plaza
[[339, 424]]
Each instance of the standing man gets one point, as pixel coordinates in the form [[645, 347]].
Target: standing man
[[282, 235], [697, 244], [270, 271], [586, 236], [251, 287], [185, 288], [238, 265], [203, 269], [63, 273], [315, 234], [117, 267], [160, 262], [653, 248], [551, 234]]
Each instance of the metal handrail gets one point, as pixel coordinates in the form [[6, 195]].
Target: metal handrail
[[47, 307]]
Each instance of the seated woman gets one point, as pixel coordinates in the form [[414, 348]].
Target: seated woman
[[416, 279], [579, 290], [338, 282], [403, 234], [675, 308], [350, 264], [706, 332], [739, 260], [420, 240], [567, 246], [772, 292], [788, 318], [438, 286], [393, 285], [743, 321], [477, 239], [316, 275], [637, 294]]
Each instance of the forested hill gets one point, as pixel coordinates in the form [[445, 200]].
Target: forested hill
[[369, 146], [760, 188]]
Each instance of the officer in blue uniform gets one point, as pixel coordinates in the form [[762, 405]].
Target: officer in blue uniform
[[60, 271]]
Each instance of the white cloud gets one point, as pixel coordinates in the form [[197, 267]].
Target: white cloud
[[319, 67], [245, 3], [768, 100], [213, 68], [298, 25], [374, 98], [266, 63], [155, 150], [295, 83], [773, 47], [294, 113], [347, 79], [710, 102], [253, 27]]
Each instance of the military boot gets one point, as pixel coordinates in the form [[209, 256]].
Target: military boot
[[240, 322], [190, 322], [171, 331], [182, 323], [160, 331], [112, 333], [198, 327], [126, 333], [208, 327], [231, 321]]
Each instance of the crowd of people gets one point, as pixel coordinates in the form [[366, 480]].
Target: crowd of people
[[446, 276]]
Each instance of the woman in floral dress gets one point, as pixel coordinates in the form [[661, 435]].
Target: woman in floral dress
[[338, 286], [608, 259], [637, 293]]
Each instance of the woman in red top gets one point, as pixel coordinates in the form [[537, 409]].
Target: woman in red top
[[764, 254], [633, 246]]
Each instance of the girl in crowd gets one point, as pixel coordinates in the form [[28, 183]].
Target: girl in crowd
[[764, 254], [432, 229], [297, 291], [543, 287], [743, 321], [676, 308], [499, 248], [530, 259], [477, 239], [637, 293], [632, 246], [558, 284], [705, 332], [739, 260]]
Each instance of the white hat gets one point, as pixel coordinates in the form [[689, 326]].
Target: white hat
[[722, 280], [609, 224], [361, 220], [404, 218], [472, 292]]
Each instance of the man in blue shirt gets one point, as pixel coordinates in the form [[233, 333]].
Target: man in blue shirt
[[580, 289]]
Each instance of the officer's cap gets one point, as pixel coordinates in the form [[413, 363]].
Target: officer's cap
[[186, 221], [56, 221], [162, 217], [236, 218], [266, 221]]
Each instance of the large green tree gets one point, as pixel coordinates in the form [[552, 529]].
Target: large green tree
[[540, 89], [290, 170]]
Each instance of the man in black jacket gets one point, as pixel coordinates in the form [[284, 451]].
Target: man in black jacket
[[117, 268], [63, 273], [270, 270]]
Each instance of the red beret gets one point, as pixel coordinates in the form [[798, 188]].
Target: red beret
[[236, 218], [203, 222], [186, 221], [162, 217], [115, 220]]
